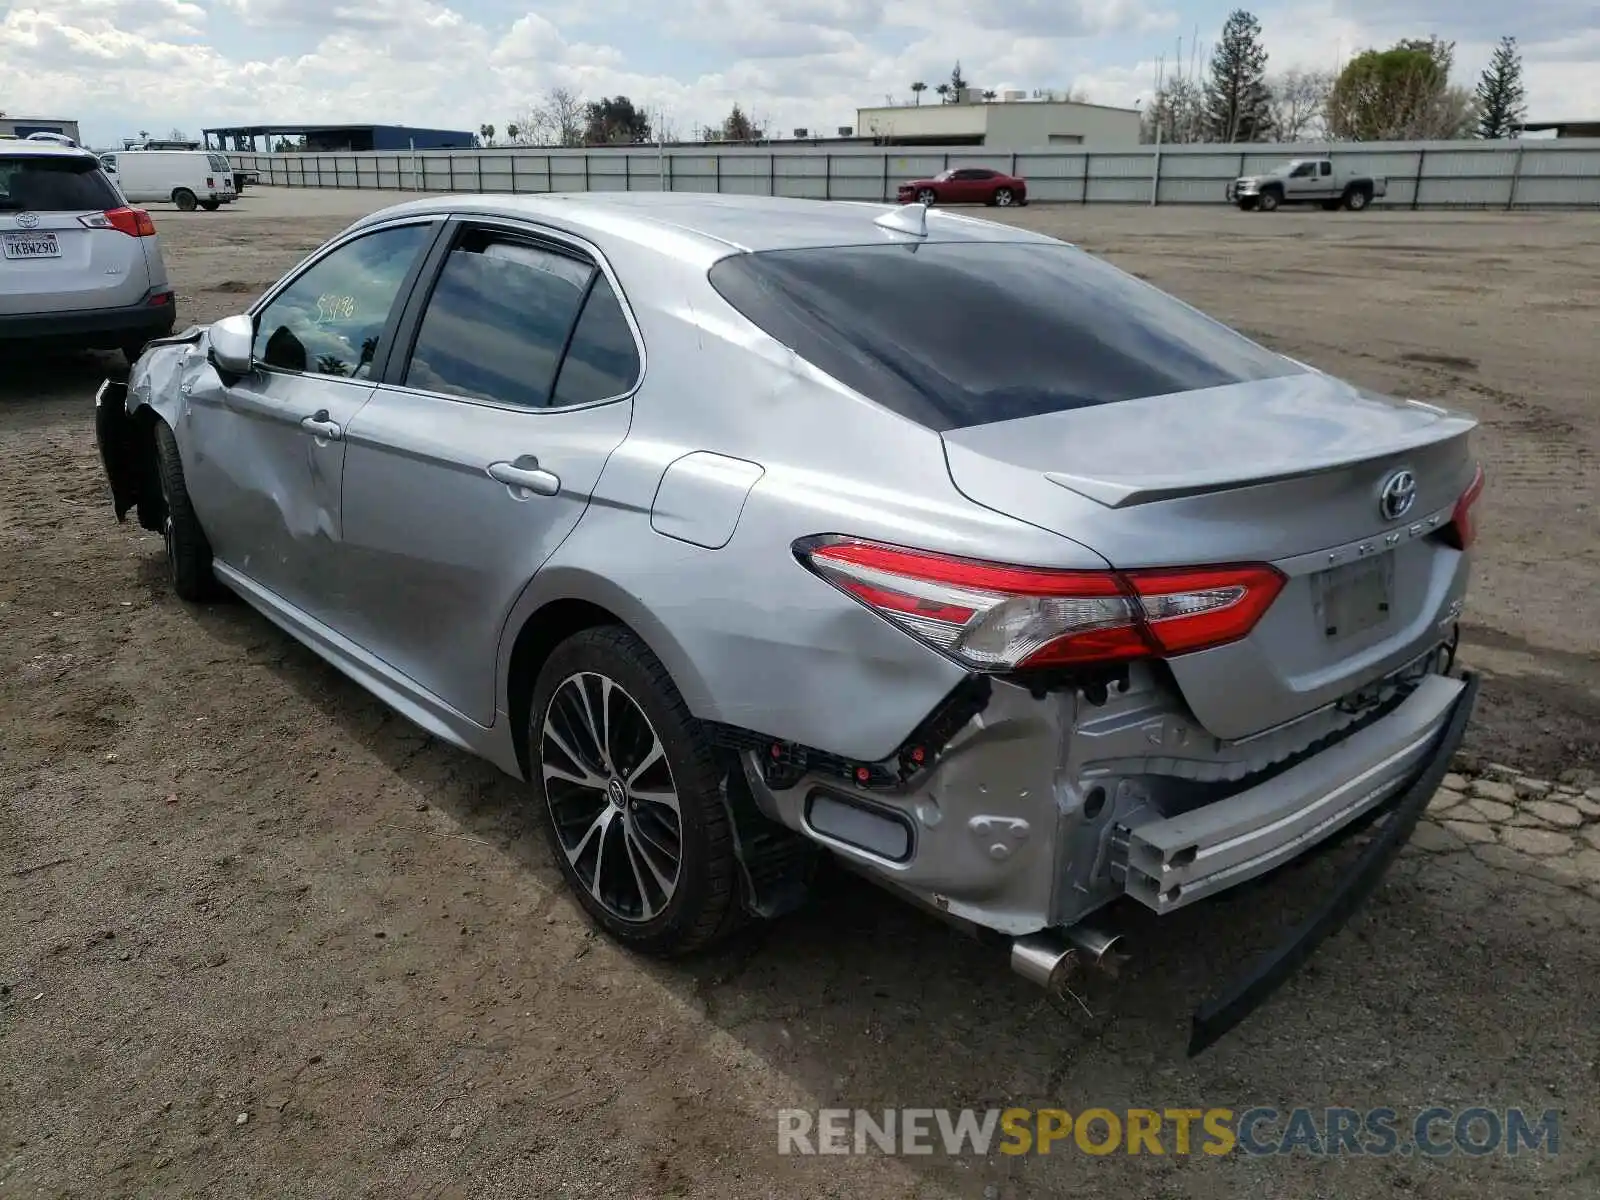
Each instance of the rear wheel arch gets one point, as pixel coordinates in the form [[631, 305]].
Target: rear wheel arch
[[561, 617]]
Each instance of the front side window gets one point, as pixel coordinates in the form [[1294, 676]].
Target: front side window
[[498, 321], [954, 334], [330, 320], [1303, 170]]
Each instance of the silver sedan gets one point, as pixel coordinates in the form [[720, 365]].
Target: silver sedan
[[747, 530]]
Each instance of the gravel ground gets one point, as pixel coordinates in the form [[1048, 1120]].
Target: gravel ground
[[262, 937]]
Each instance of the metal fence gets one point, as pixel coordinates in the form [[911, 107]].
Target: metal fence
[[1563, 173]]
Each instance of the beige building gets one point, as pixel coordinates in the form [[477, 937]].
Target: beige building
[[21, 127], [1011, 124]]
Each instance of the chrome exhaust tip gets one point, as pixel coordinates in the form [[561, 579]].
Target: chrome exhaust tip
[[1041, 959], [1049, 958], [1098, 947]]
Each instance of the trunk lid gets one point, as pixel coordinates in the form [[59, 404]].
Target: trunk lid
[[1290, 471]]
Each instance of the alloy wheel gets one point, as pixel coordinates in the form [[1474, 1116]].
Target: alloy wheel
[[612, 797]]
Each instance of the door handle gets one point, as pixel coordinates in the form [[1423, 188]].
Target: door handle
[[526, 473], [320, 426]]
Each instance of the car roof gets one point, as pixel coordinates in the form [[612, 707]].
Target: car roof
[[23, 148], [710, 225]]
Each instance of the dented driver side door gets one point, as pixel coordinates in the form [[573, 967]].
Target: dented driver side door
[[264, 454]]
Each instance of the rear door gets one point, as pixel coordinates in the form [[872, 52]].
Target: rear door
[[479, 453], [53, 258]]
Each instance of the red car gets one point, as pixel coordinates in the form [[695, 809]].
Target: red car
[[967, 185]]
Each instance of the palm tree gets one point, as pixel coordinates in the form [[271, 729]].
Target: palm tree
[[511, 133], [944, 93], [488, 134], [917, 89], [990, 94]]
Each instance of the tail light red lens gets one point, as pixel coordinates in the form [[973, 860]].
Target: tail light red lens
[[993, 617], [134, 222], [1463, 528]]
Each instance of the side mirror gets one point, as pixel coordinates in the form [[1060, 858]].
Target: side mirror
[[231, 342]]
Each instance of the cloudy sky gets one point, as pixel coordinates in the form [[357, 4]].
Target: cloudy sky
[[124, 65]]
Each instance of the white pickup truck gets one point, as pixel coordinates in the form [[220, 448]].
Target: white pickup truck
[[1307, 181]]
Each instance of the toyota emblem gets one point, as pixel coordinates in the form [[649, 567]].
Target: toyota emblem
[[1398, 495], [27, 220]]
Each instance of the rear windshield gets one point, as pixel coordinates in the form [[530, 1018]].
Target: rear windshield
[[54, 185], [218, 162], [958, 334]]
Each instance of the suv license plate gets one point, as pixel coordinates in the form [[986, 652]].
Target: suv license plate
[[1355, 597], [31, 245]]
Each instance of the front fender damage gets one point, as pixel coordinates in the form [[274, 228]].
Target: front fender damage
[[125, 417]]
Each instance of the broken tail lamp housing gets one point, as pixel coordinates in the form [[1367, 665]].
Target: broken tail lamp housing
[[999, 618]]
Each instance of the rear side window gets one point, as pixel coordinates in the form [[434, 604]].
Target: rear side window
[[966, 333], [218, 163], [603, 360], [54, 185], [501, 318]]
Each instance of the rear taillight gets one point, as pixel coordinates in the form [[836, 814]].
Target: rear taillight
[[134, 222], [1463, 528], [993, 617]]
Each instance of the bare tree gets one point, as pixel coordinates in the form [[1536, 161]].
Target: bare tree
[[1176, 114], [1299, 103], [558, 118]]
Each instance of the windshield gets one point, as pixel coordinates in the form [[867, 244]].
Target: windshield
[[54, 185], [956, 334], [944, 176]]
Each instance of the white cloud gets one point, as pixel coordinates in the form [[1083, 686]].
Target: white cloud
[[123, 64]]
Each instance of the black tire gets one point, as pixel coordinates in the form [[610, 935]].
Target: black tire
[[185, 200], [132, 351], [188, 550], [1270, 199], [704, 905], [1356, 199], [211, 205], [1004, 197], [927, 197], [1247, 203]]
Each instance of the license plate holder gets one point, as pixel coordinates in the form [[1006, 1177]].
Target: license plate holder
[[24, 247], [1354, 598]]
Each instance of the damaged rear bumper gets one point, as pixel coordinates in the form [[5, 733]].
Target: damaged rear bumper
[[1179, 860], [1243, 996]]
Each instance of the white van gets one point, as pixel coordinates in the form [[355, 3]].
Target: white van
[[187, 178]]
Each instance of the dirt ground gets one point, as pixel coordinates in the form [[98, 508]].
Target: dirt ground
[[260, 937]]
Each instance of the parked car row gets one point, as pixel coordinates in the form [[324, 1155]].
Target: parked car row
[[1131, 608]]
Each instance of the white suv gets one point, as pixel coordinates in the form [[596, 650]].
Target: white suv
[[79, 268]]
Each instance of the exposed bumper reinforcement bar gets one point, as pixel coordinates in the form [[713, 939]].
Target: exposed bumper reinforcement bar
[[1178, 860], [1221, 1014]]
